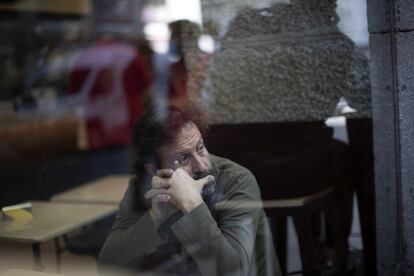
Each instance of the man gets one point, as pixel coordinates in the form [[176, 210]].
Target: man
[[185, 212]]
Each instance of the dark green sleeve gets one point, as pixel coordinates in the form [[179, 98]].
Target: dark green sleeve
[[224, 247], [132, 236]]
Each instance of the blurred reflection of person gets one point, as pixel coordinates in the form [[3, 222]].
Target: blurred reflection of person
[[110, 79], [299, 64], [185, 57], [183, 212]]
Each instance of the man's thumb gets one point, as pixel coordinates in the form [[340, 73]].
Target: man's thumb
[[205, 180]]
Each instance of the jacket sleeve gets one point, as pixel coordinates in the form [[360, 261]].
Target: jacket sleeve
[[133, 234], [225, 246]]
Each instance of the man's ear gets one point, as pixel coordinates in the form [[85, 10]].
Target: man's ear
[[150, 169]]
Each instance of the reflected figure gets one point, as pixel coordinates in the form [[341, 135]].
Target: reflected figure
[[276, 77], [170, 223], [110, 80], [188, 63]]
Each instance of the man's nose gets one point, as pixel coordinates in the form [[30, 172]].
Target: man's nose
[[199, 165]]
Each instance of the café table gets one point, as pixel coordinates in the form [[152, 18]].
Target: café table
[[109, 189], [23, 272], [50, 221]]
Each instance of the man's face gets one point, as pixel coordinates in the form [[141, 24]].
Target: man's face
[[187, 151]]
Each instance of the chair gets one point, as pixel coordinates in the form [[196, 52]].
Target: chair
[[298, 156], [300, 209]]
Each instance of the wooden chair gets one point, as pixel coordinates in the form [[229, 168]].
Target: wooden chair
[[300, 209]]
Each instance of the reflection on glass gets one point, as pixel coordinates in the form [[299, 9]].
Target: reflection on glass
[[76, 79]]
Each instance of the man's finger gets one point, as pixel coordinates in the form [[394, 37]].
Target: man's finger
[[161, 198], [165, 173], [158, 182], [153, 192], [204, 181]]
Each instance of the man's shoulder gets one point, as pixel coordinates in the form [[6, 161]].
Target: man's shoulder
[[229, 172], [224, 165]]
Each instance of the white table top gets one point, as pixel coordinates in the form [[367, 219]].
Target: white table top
[[22, 272], [108, 189], [53, 219]]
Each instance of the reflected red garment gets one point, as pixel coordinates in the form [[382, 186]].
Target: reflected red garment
[[180, 77], [178, 82], [113, 79]]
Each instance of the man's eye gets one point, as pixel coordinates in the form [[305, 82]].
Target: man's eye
[[183, 159], [201, 147]]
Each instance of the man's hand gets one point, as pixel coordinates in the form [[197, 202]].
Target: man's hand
[[178, 187], [161, 207], [185, 192]]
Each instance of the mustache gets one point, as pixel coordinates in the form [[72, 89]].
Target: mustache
[[200, 175], [208, 189]]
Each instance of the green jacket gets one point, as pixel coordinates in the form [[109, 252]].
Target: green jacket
[[222, 236]]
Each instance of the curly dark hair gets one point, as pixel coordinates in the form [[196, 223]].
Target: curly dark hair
[[155, 129]]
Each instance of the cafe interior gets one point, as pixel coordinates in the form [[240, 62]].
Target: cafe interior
[[286, 87]]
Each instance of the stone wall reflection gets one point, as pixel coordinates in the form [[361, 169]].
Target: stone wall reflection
[[284, 62]]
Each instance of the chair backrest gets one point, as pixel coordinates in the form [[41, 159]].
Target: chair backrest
[[288, 159]]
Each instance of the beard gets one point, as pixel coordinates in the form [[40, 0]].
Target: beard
[[209, 188]]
